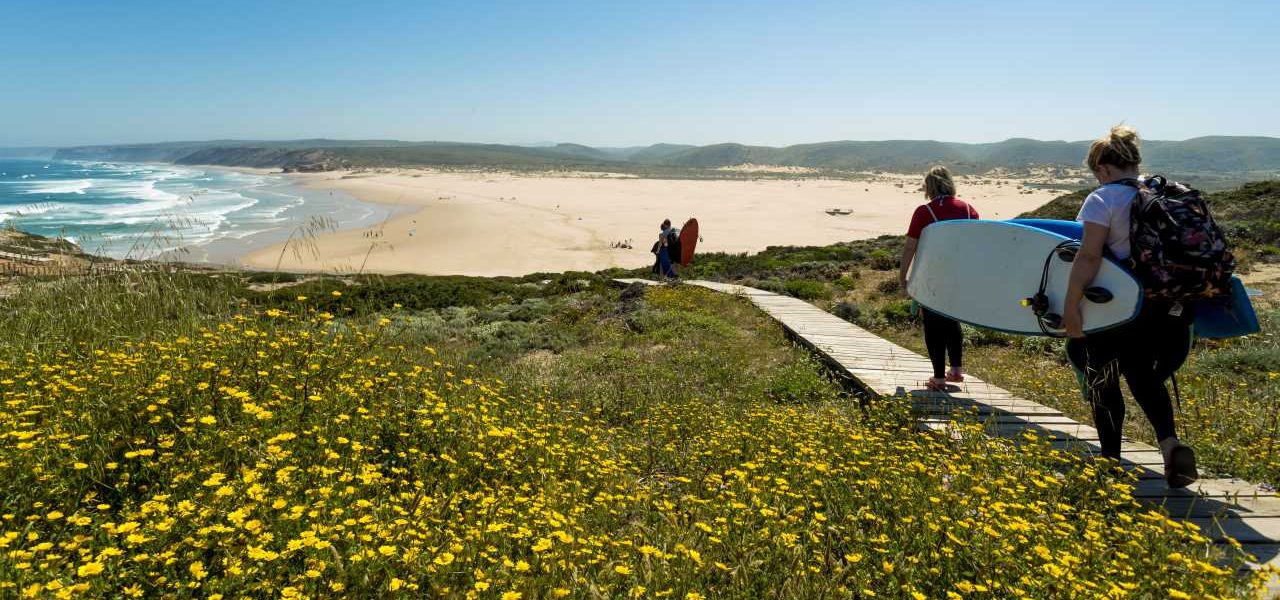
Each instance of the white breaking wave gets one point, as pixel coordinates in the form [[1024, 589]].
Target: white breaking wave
[[69, 186]]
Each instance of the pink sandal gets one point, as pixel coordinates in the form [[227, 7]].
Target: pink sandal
[[955, 376], [936, 385]]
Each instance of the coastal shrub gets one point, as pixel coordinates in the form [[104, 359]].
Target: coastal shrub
[[849, 311], [508, 339], [530, 309], [415, 292], [1038, 345], [849, 281], [897, 312], [982, 336], [807, 289], [272, 277], [776, 286], [824, 271], [888, 287], [882, 260]]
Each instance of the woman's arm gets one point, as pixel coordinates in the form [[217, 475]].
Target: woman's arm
[[1083, 270], [908, 254]]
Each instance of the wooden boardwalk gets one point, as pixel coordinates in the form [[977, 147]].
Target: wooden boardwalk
[[1220, 507]]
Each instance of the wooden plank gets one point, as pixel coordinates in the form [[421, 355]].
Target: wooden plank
[[922, 394], [1246, 529], [980, 410], [866, 351], [885, 363], [1213, 488], [1197, 506], [1008, 419]]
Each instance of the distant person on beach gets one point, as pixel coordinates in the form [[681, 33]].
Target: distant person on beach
[[668, 250], [1142, 350], [942, 336]]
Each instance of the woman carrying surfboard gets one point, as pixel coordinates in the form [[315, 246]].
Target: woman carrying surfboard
[[1135, 349], [942, 335]]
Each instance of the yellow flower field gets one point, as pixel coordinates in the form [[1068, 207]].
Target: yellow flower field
[[289, 453]]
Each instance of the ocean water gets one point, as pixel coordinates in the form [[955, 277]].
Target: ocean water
[[127, 210]]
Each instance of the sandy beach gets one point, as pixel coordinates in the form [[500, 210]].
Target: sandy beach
[[477, 223]]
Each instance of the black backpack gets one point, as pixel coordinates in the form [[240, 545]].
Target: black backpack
[[1178, 252], [673, 245]]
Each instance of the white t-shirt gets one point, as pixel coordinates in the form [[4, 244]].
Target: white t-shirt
[[1109, 206]]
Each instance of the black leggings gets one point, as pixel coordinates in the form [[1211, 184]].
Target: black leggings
[[1146, 351], [941, 337]]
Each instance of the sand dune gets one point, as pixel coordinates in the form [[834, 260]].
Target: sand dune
[[510, 224]]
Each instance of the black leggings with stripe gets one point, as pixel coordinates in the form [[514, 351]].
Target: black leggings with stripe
[[1146, 352]]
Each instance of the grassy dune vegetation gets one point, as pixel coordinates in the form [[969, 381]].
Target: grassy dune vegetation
[[180, 435]]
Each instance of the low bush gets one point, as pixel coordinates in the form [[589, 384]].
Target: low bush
[[807, 289]]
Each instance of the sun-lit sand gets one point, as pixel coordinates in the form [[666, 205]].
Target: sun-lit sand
[[510, 224]]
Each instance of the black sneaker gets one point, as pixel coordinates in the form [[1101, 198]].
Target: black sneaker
[[1180, 469]]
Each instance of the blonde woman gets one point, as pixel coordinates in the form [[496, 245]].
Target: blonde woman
[[1135, 349], [942, 336]]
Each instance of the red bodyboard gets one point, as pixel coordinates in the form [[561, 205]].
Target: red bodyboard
[[688, 241]]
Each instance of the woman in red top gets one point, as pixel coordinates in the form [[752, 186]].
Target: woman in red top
[[941, 334]]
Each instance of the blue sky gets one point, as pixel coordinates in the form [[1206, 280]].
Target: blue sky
[[631, 73]]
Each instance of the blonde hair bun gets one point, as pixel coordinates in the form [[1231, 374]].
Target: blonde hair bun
[[1121, 148]]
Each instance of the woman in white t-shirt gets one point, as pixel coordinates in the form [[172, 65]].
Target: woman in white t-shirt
[[1133, 349]]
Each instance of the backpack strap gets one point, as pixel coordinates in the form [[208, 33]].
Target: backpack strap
[[931, 213], [1139, 200]]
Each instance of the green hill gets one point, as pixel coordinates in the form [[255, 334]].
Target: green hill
[[1207, 158]]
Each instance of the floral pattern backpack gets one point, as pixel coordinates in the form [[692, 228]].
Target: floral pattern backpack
[[1178, 251]]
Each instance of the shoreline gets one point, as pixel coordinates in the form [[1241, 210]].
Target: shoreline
[[227, 251], [493, 223]]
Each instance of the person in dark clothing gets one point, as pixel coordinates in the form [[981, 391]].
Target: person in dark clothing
[[668, 242], [942, 335], [1145, 351]]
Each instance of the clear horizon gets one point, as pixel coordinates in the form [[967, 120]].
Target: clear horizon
[[618, 75]]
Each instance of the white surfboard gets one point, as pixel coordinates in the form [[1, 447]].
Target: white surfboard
[[981, 272]]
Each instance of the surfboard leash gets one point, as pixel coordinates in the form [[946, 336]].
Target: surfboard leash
[[1039, 303]]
